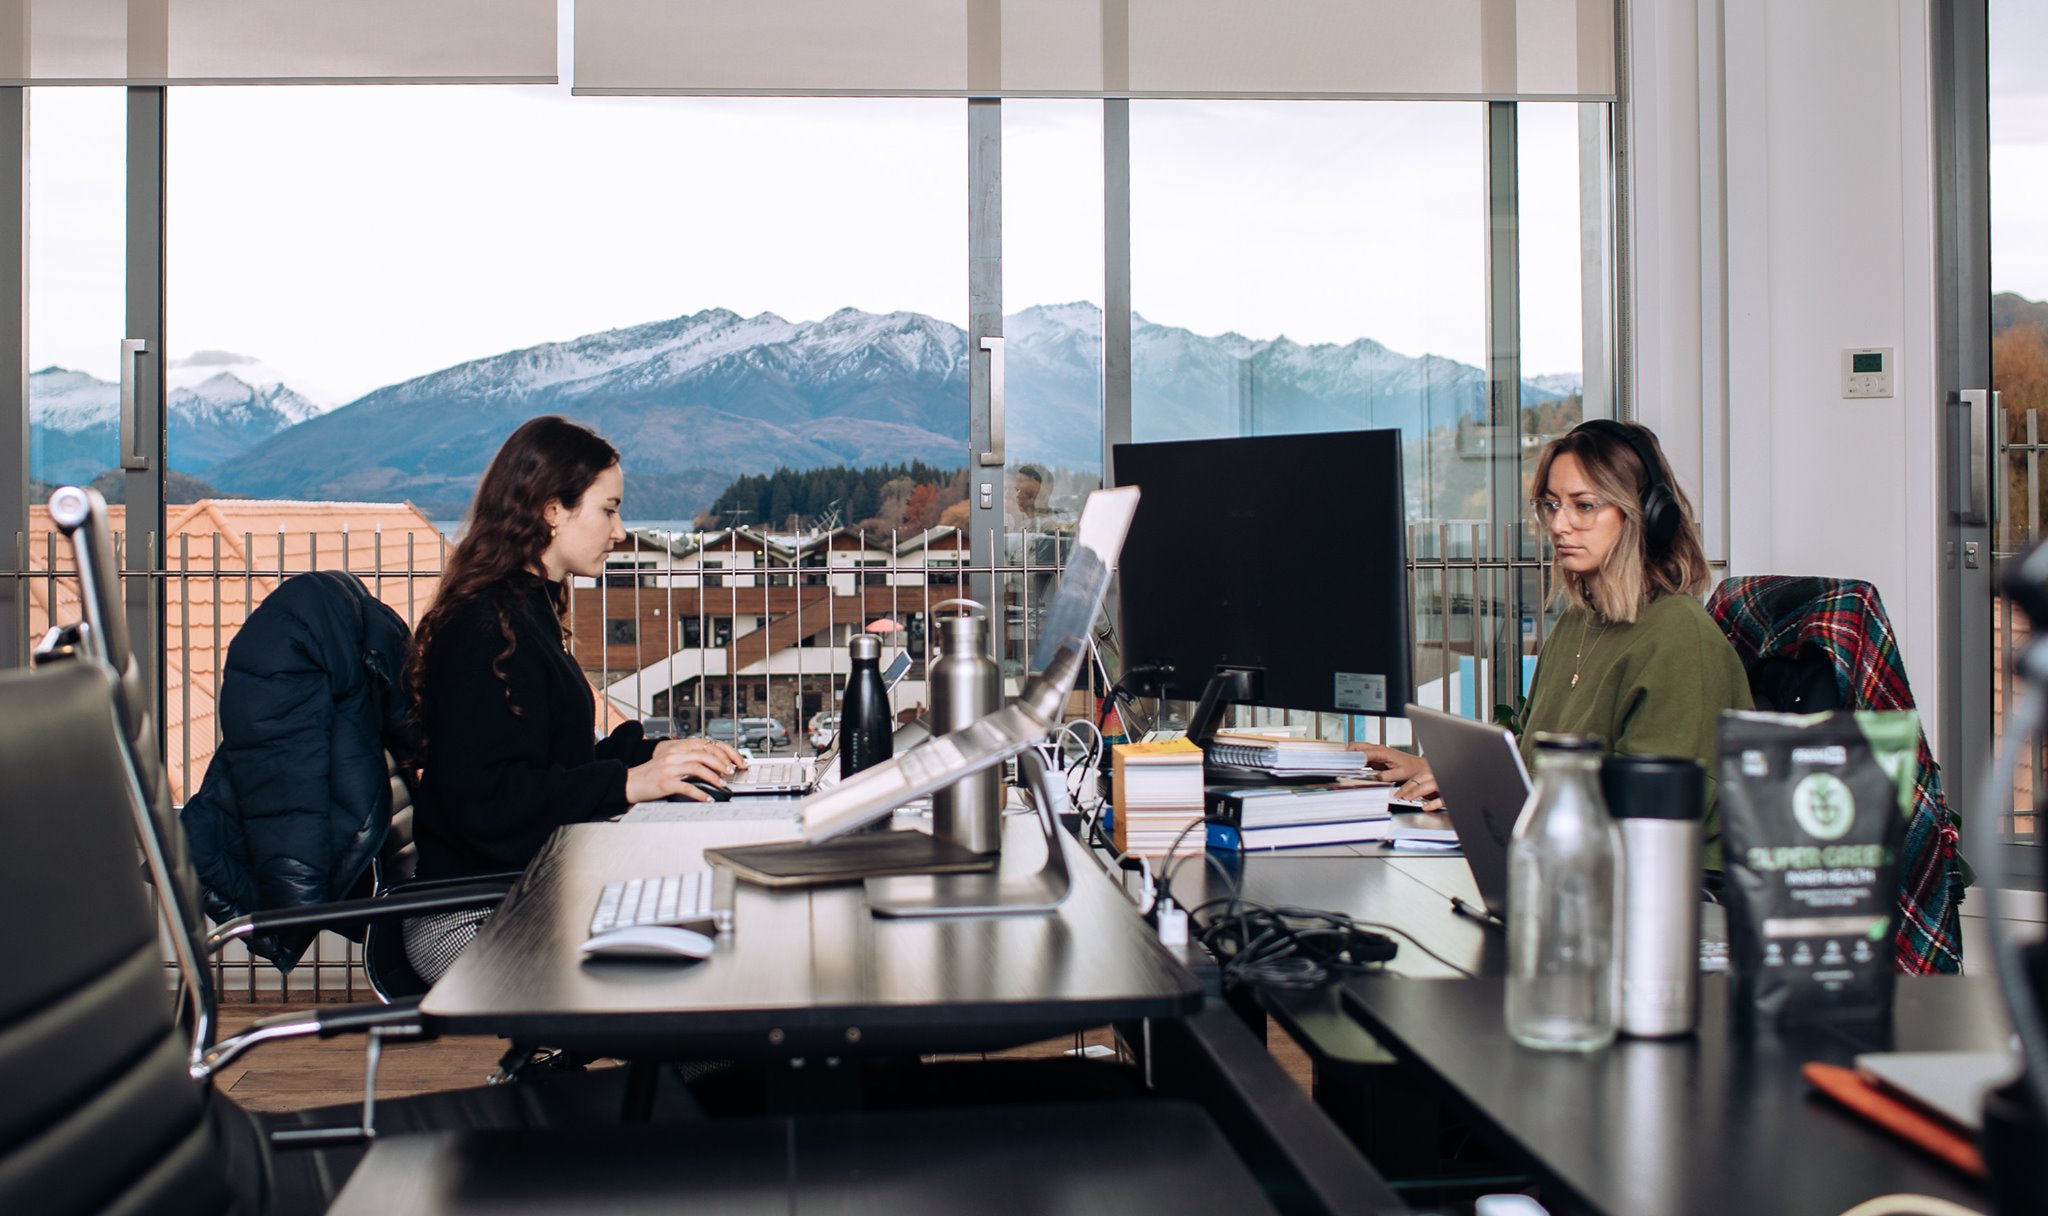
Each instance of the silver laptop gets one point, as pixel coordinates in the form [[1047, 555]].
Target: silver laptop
[[1484, 783], [1058, 658], [786, 775], [1951, 1084]]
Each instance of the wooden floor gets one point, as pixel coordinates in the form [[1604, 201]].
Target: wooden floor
[[294, 1074]]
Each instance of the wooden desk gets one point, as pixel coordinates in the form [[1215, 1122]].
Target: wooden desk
[[1710, 1124], [805, 973]]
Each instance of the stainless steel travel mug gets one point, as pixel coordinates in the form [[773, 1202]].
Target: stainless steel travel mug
[[1658, 801]]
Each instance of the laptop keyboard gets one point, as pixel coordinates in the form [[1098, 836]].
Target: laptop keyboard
[[695, 899], [782, 771]]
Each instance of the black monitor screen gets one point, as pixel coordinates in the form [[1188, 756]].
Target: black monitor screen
[[1283, 554]]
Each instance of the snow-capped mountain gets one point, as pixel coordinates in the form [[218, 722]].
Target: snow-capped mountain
[[695, 401], [687, 400], [1564, 384], [292, 396], [214, 413]]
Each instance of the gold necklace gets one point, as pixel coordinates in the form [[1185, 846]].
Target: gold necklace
[[1579, 659]]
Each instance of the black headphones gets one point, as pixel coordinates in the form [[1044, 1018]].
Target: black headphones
[[1662, 516]]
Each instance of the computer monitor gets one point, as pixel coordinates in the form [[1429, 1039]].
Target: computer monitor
[[1268, 570]]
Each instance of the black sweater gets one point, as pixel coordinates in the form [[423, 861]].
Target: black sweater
[[497, 782]]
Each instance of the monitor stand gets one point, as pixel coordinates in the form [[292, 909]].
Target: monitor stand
[[1227, 687], [1006, 891]]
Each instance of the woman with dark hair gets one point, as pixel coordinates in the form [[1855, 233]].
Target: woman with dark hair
[[1634, 659], [506, 717]]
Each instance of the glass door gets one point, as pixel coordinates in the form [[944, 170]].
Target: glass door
[[2017, 108], [1990, 104]]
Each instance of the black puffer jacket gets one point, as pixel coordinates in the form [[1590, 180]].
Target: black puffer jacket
[[297, 800]]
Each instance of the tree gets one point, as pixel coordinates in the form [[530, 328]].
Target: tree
[[2019, 373], [920, 511]]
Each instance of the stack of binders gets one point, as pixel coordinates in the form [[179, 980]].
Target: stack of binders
[[1156, 789], [1296, 816]]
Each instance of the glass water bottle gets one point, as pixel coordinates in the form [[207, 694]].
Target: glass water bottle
[[1564, 886]]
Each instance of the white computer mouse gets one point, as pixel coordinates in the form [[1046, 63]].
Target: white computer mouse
[[649, 941]]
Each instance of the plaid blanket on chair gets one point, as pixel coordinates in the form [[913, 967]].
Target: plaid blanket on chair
[[1774, 615]]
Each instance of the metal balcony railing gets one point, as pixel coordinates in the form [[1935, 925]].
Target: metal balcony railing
[[757, 639]]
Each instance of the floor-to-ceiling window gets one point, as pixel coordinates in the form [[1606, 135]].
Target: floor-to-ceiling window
[[77, 174], [1052, 289], [762, 300], [758, 301], [2018, 130]]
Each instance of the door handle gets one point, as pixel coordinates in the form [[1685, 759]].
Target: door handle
[[132, 455], [994, 455]]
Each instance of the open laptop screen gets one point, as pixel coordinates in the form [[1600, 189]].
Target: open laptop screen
[[868, 795]]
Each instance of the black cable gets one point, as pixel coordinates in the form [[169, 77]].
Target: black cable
[[1413, 940], [1285, 947]]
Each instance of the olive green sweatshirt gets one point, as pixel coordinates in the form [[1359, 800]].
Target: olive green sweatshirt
[[1653, 688]]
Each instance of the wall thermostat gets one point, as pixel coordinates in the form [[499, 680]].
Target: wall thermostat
[[1867, 372]]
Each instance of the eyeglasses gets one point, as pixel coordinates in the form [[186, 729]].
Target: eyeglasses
[[1580, 514]]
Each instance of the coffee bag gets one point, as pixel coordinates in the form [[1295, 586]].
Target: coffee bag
[[1813, 809]]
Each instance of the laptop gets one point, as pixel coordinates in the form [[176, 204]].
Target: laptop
[[1484, 783], [1949, 1084], [1034, 713], [787, 775]]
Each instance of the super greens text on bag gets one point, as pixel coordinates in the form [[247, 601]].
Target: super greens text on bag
[[1813, 809]]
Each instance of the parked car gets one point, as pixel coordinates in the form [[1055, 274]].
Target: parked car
[[824, 728], [764, 733]]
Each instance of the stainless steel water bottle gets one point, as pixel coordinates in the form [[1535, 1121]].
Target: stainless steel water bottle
[[966, 685], [1658, 801]]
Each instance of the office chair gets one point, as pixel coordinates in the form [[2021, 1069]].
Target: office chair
[[109, 1104], [103, 637], [304, 801], [1815, 644]]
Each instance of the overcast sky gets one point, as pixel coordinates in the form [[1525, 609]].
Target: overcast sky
[[354, 237], [359, 236]]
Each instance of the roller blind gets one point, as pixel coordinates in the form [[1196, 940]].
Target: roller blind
[[1465, 49], [276, 41]]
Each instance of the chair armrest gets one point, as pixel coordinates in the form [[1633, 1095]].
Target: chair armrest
[[401, 1018], [504, 878], [397, 906]]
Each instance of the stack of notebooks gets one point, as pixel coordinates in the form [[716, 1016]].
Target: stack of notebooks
[[1156, 789], [1254, 818], [1280, 756]]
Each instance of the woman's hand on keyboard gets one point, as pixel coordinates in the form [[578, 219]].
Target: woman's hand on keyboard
[[721, 756], [669, 774], [1410, 773]]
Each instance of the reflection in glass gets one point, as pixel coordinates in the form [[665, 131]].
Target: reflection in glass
[[1052, 329]]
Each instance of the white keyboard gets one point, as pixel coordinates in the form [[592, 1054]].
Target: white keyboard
[[695, 899], [781, 772]]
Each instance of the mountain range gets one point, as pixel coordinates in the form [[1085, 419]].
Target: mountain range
[[693, 402]]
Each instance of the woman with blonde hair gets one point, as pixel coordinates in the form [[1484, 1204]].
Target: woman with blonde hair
[[1634, 659]]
